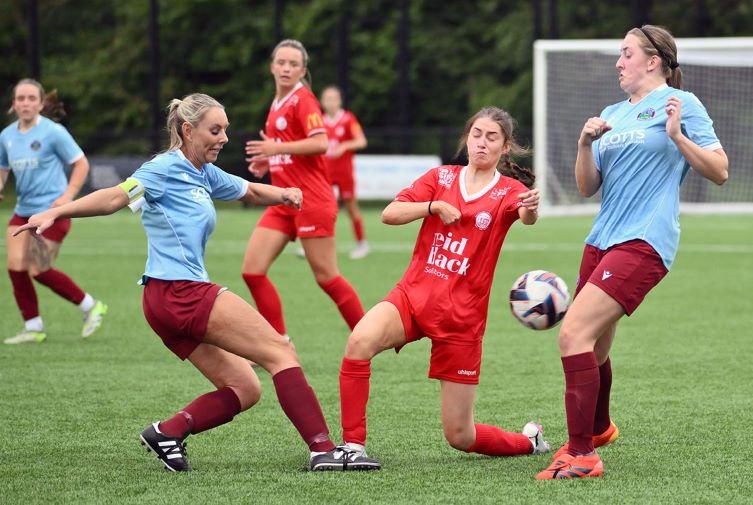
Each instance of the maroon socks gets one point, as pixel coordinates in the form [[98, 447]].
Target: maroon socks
[[204, 413], [581, 393]]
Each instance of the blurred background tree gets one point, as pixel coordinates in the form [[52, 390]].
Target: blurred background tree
[[412, 70]]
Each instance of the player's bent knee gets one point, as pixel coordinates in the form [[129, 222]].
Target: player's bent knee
[[248, 392], [360, 346]]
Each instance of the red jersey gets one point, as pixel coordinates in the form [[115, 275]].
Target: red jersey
[[341, 128], [449, 278], [297, 117]]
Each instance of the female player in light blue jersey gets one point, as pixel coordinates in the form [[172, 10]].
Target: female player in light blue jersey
[[38, 150], [638, 152], [197, 320]]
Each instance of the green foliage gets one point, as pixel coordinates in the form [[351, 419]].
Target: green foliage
[[97, 53]]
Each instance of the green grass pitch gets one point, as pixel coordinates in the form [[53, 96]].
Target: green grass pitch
[[71, 410]]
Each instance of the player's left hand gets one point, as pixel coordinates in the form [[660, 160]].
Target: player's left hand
[[40, 222], [673, 108], [264, 147], [292, 197], [530, 199]]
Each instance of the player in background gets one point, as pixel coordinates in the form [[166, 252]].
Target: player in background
[[444, 294], [38, 150], [638, 152], [345, 138], [197, 320], [291, 149]]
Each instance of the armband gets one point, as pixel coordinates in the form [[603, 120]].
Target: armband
[[135, 191]]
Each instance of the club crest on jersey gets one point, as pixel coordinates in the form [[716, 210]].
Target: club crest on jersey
[[281, 123], [646, 114], [35, 146], [499, 193], [446, 177], [483, 220]]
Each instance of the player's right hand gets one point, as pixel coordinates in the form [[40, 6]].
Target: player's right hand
[[40, 222], [258, 165], [594, 128], [446, 212]]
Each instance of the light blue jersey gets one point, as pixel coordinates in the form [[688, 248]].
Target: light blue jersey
[[178, 213], [642, 169], [38, 158]]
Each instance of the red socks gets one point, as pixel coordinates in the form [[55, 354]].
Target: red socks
[[204, 413], [61, 285], [24, 293], [358, 229], [493, 441], [354, 395], [267, 300], [602, 420], [346, 299], [299, 403], [581, 393]]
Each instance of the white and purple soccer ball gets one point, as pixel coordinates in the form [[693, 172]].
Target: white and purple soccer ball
[[539, 299]]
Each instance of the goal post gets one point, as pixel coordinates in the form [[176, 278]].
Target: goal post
[[576, 79]]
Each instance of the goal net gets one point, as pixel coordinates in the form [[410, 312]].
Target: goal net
[[576, 79]]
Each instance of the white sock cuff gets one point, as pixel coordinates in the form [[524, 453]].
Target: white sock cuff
[[87, 303], [34, 324]]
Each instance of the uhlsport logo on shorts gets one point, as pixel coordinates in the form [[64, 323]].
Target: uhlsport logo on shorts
[[483, 220], [469, 373], [646, 114], [306, 229]]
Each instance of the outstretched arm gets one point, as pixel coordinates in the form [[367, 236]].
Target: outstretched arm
[[265, 194], [100, 203]]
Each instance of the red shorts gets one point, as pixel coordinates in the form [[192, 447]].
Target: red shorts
[[345, 182], [450, 360], [315, 221], [626, 272], [56, 232], [178, 311]]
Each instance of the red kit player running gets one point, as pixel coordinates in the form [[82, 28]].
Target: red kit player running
[[291, 149], [444, 294], [345, 138]]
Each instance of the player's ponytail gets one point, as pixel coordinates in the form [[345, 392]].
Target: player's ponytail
[[307, 80], [511, 169], [52, 107], [658, 41], [506, 123], [191, 110]]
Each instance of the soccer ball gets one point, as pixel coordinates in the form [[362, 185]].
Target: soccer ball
[[539, 299]]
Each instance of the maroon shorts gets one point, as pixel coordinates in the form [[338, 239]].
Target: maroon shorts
[[452, 361], [626, 272], [315, 221], [178, 311], [56, 232], [345, 182]]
